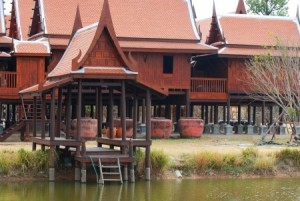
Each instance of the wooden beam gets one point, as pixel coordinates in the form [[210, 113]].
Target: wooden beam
[[123, 112], [59, 113]]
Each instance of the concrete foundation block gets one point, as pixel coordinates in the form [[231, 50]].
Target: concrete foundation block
[[262, 130], [83, 176], [216, 129], [51, 174], [249, 129], [240, 129], [207, 129], [147, 174], [228, 130], [77, 174]]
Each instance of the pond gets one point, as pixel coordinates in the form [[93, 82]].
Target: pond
[[163, 190]]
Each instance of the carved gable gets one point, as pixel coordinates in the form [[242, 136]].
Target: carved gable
[[104, 53]]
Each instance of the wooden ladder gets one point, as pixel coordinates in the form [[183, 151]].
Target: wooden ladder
[[115, 170]]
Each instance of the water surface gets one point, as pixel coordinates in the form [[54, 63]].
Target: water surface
[[163, 190]]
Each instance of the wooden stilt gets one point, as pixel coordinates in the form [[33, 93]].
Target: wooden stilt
[[68, 112], [34, 121], [148, 135]]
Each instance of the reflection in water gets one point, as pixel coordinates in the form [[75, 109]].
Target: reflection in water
[[166, 190]]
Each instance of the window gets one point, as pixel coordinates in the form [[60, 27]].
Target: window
[[168, 64]]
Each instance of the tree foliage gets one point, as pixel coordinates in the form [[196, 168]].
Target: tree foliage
[[268, 7]]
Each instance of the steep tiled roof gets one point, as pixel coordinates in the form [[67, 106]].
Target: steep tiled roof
[[131, 18], [31, 47], [159, 46], [23, 16], [258, 30], [77, 47]]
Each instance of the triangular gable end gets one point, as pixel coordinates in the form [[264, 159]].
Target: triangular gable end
[[215, 34], [104, 49], [104, 53], [13, 30], [241, 8], [297, 14], [36, 23]]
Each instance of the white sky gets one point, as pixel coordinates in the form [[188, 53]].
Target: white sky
[[204, 7]]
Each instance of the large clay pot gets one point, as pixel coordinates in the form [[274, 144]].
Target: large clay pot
[[161, 128], [190, 127], [129, 127], [88, 128]]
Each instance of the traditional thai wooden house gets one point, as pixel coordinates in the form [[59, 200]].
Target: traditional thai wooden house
[[238, 37], [122, 65]]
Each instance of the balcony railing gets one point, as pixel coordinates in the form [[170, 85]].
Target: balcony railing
[[8, 79], [206, 85]]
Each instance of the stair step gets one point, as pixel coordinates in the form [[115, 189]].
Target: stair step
[[111, 173], [112, 166]]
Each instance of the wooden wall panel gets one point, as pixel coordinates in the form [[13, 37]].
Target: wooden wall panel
[[237, 76], [30, 71], [104, 53], [150, 69]]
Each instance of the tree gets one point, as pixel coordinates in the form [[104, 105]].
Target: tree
[[268, 7], [275, 77]]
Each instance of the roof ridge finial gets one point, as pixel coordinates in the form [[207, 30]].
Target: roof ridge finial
[[214, 14], [77, 21], [297, 14], [241, 8]]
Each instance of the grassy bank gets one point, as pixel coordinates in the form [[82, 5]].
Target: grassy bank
[[210, 155]]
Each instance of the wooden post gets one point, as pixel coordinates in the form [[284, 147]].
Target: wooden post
[[43, 121], [79, 107], [211, 113], [135, 116], [271, 115], [58, 113], [159, 110], [224, 113], [187, 101], [239, 114], [143, 111], [99, 111], [52, 134], [228, 110], [52, 115], [34, 123], [206, 114], [14, 113], [167, 111], [177, 112], [202, 111], [263, 113], [216, 118], [110, 115], [254, 115], [249, 114], [68, 112], [148, 135], [123, 113]]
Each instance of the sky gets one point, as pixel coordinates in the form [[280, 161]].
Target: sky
[[204, 7]]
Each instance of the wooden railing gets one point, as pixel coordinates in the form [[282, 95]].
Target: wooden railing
[[8, 79], [216, 85]]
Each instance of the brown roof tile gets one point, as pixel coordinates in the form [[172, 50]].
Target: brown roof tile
[[131, 18], [31, 47], [160, 46], [79, 45], [23, 16], [259, 30]]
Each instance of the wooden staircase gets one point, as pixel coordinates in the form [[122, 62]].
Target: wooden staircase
[[28, 109], [12, 129]]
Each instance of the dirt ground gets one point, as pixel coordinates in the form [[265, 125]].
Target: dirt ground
[[175, 146]]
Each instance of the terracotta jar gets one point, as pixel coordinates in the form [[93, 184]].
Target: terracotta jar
[[161, 128], [129, 127], [88, 128], [190, 127]]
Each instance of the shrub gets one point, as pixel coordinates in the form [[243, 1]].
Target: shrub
[[287, 155], [265, 164], [33, 161], [159, 161]]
